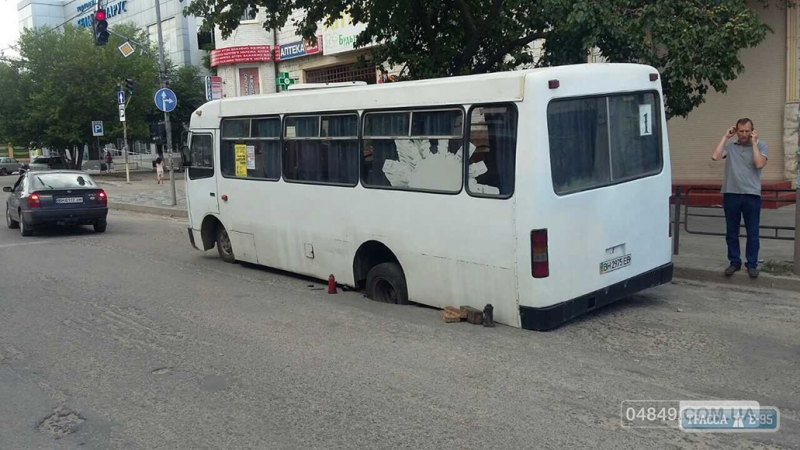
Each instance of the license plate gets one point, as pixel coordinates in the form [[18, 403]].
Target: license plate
[[614, 264], [69, 200]]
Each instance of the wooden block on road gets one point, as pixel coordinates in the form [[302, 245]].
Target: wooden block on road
[[461, 313], [449, 317]]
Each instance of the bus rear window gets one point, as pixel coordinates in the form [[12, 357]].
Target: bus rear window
[[599, 141]]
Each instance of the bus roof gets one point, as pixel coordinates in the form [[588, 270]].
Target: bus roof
[[483, 88]]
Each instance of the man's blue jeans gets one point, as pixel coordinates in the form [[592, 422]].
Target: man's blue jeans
[[736, 206]]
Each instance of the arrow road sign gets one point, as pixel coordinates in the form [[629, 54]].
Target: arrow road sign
[[97, 128], [120, 97], [122, 113], [166, 100]]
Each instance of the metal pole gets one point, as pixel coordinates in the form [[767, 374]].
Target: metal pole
[[796, 227], [676, 229], [125, 143], [162, 73]]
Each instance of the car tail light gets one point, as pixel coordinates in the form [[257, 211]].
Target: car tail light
[[539, 260], [102, 198], [653, 76], [34, 201]]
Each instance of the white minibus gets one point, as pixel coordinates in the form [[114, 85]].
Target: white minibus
[[542, 192]]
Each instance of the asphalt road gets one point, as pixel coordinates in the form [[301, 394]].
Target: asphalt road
[[131, 339]]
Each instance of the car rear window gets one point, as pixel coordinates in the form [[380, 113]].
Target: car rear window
[[62, 181], [40, 160]]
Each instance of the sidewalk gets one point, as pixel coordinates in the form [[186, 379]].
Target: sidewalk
[[701, 257], [143, 194]]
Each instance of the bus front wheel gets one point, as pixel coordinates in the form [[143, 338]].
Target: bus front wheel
[[224, 246], [387, 283]]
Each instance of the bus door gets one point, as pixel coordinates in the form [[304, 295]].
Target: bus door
[[201, 184]]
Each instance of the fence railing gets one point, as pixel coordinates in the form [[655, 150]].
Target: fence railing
[[679, 198]]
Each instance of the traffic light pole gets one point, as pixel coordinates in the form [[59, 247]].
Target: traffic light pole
[[162, 73]]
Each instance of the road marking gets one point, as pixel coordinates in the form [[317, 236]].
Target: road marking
[[23, 243]]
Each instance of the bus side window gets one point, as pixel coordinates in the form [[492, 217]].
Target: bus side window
[[492, 147], [201, 154]]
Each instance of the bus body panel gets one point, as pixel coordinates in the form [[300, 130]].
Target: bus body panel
[[450, 254], [584, 228]]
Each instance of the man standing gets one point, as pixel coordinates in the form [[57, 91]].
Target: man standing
[[741, 189]]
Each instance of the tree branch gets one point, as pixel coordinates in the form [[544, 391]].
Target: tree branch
[[498, 56], [468, 20], [430, 35], [494, 13]]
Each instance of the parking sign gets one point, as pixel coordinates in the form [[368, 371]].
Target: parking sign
[[97, 128]]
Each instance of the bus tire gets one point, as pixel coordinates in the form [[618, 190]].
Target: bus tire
[[387, 283], [224, 246]]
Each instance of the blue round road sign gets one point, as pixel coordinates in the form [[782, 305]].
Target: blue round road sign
[[166, 100]]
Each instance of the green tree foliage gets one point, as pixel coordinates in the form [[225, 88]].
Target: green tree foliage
[[693, 43], [61, 82], [72, 82]]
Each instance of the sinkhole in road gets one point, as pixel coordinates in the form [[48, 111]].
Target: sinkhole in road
[[61, 423]]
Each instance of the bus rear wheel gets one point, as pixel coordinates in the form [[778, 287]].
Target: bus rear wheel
[[224, 246], [387, 283]]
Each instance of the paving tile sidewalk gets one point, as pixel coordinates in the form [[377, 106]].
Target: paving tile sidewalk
[[701, 257], [143, 193]]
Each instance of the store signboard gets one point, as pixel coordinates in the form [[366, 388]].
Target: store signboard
[[298, 49], [341, 36], [243, 54]]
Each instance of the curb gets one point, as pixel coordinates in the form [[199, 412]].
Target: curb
[[738, 279], [171, 212]]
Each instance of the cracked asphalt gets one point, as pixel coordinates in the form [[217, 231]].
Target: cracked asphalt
[[131, 339]]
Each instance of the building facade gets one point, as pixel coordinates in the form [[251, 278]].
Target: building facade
[[180, 33], [254, 60]]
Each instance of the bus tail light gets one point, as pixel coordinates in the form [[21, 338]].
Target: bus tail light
[[539, 260]]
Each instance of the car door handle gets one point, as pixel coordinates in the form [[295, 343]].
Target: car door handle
[[212, 194]]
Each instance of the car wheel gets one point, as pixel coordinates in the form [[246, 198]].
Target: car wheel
[[224, 246], [9, 221], [100, 226], [3, 171], [24, 229], [387, 283]]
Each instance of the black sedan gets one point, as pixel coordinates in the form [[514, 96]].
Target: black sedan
[[55, 197]]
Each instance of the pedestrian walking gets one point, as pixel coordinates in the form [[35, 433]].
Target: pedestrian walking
[[159, 170], [109, 160], [744, 158]]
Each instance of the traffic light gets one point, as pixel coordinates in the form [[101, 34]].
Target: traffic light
[[129, 84], [100, 27]]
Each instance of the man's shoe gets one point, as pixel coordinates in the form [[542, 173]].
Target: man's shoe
[[731, 270], [753, 272]]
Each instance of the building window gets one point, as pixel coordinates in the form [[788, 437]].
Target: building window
[[249, 83], [341, 74], [605, 140], [321, 149], [249, 14]]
